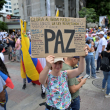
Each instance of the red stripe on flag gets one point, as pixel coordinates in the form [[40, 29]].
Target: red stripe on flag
[[9, 83], [39, 67], [36, 82], [23, 67]]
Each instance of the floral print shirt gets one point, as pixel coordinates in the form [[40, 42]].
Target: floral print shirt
[[58, 94]]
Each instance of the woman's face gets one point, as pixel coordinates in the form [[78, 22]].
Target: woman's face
[[57, 66]]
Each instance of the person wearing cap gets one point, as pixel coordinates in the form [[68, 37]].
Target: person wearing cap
[[101, 47], [75, 83], [56, 82], [90, 58]]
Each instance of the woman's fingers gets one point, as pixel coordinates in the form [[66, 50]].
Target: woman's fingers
[[50, 60]]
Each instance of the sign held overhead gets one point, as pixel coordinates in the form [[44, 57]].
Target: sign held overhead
[[58, 36]]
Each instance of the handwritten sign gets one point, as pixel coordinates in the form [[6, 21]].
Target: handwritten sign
[[58, 36]]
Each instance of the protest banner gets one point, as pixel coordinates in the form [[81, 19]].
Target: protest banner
[[102, 21], [58, 36]]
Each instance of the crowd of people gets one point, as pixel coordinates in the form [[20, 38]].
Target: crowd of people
[[60, 76], [13, 44], [98, 44]]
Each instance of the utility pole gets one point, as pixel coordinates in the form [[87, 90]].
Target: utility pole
[[77, 8], [66, 7]]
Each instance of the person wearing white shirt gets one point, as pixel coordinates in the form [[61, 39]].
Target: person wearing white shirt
[[105, 30], [101, 47], [1, 54], [4, 37]]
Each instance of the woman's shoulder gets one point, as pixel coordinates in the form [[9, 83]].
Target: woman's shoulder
[[105, 53], [108, 53]]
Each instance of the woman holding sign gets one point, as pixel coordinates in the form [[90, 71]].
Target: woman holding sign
[[56, 82]]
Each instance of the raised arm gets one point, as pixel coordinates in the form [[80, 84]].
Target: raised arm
[[44, 72], [75, 72], [90, 49]]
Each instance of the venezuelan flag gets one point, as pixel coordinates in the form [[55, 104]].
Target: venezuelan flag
[[30, 67], [7, 80]]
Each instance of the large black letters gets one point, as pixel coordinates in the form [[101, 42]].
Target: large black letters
[[70, 39], [59, 34], [48, 39]]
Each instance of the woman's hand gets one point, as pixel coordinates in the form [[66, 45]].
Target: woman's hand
[[49, 60]]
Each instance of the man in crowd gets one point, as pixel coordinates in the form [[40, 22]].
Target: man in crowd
[[75, 83], [105, 30], [101, 47], [106, 21]]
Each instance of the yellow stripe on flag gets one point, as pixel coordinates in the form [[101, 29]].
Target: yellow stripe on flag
[[57, 13], [30, 69]]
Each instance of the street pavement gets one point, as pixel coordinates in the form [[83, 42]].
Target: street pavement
[[92, 98]]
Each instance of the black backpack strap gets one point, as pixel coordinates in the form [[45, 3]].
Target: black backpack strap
[[103, 53]]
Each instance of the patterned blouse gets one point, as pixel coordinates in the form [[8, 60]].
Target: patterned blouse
[[58, 94]]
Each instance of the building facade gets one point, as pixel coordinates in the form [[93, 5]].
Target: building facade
[[34, 8], [67, 8], [10, 8], [15, 7], [7, 9]]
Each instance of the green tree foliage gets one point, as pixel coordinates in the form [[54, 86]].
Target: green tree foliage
[[89, 13], [102, 7], [3, 26], [2, 2]]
